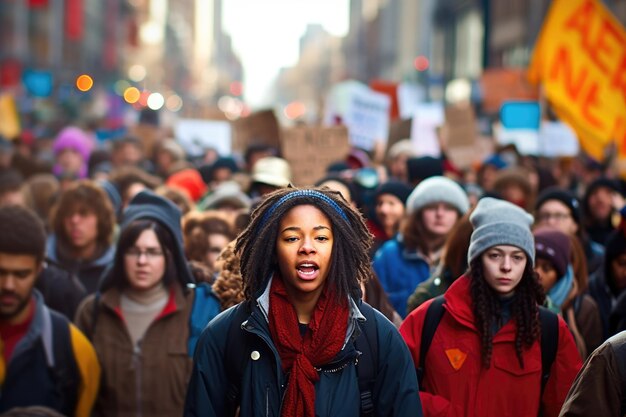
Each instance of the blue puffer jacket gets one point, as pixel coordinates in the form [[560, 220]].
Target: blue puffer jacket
[[399, 272], [263, 382]]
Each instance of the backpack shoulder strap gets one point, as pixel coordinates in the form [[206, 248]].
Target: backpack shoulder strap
[[65, 369], [95, 311], [367, 369], [235, 357], [549, 342], [431, 322]]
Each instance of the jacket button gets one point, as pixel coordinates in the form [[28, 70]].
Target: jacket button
[[255, 355]]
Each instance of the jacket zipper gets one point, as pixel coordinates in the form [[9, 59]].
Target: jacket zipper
[[136, 364]]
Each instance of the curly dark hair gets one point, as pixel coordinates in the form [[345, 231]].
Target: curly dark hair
[[350, 262], [84, 194], [524, 309]]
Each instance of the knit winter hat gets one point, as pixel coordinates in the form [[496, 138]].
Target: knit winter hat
[[498, 222], [189, 181], [423, 167], [564, 196], [437, 190], [399, 189], [554, 246]]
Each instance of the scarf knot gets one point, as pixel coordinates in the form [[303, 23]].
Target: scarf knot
[[300, 355]]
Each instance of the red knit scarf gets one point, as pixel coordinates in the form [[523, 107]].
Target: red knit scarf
[[321, 343]]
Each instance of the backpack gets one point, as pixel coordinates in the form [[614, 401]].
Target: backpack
[[236, 359], [549, 337]]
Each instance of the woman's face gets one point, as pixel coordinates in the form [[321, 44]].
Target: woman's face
[[555, 214], [304, 248], [389, 211], [144, 262], [217, 242], [503, 268], [547, 274], [439, 218]]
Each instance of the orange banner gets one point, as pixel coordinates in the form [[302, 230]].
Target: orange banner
[[580, 58]]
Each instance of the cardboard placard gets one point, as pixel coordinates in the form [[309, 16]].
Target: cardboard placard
[[460, 127], [501, 84], [195, 136], [398, 130], [259, 128], [310, 149], [427, 119]]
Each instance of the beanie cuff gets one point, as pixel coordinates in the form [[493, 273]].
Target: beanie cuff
[[495, 234]]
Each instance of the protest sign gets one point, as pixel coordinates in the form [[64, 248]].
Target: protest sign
[[427, 119], [196, 136], [367, 118], [259, 128], [310, 149]]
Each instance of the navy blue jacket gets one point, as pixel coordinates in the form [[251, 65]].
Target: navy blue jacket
[[395, 391]]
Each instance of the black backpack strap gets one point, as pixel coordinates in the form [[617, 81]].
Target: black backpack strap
[[235, 357], [65, 369], [367, 366], [95, 311], [549, 342], [431, 322]]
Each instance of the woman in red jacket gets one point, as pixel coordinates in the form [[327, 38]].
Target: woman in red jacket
[[485, 355]]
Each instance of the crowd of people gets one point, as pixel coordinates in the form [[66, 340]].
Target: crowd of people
[[136, 280]]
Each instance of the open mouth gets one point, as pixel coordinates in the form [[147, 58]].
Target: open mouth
[[307, 270]]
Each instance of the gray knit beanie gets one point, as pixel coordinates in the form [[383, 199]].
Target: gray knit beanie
[[498, 222], [436, 190]]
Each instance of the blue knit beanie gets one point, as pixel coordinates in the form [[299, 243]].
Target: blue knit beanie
[[498, 222]]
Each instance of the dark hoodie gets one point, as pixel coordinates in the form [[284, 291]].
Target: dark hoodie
[[147, 205], [598, 231], [601, 284]]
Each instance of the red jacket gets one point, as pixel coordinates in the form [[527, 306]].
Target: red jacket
[[455, 384]]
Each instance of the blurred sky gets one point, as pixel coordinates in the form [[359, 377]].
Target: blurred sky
[[266, 35]]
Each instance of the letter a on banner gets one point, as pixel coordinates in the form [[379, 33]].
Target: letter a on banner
[[580, 59]]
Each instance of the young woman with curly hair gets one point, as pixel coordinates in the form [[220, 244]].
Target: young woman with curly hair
[[303, 257], [485, 354]]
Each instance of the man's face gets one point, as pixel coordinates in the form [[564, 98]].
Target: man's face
[[18, 274], [81, 227]]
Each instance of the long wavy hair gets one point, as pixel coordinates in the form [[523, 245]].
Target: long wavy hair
[[350, 263], [487, 309]]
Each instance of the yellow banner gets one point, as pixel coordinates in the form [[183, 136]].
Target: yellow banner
[[580, 58], [9, 120]]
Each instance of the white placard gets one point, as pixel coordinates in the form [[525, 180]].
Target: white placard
[[428, 117], [410, 95], [196, 135], [557, 139], [367, 118], [526, 141]]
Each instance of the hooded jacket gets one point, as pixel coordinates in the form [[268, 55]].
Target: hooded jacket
[[88, 271], [337, 391], [35, 375], [150, 378], [399, 271], [455, 384]]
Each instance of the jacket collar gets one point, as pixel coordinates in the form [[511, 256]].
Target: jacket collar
[[176, 301], [459, 305], [40, 328]]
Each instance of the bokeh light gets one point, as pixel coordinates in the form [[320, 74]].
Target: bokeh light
[[155, 101], [294, 110], [174, 103], [120, 86], [84, 82], [137, 73], [131, 95], [421, 63]]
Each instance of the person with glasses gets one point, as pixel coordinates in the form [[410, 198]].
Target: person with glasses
[[140, 322], [561, 209]]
